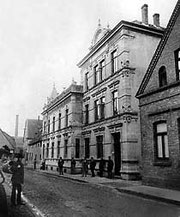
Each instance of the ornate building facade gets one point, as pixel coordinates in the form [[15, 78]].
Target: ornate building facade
[[62, 122], [111, 73]]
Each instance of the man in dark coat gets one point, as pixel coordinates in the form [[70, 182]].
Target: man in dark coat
[[92, 166], [110, 167], [17, 169], [60, 165], [73, 165]]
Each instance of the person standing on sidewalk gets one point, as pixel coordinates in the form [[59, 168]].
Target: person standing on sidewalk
[[110, 167], [73, 165], [92, 166], [60, 165], [35, 161], [84, 167], [17, 179]]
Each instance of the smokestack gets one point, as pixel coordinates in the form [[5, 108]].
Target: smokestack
[[16, 126], [144, 11], [156, 21]]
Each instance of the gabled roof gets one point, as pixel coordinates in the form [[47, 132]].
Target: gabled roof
[[32, 128], [6, 139], [159, 49]]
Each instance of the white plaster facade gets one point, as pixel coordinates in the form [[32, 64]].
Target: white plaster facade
[[126, 51], [62, 122]]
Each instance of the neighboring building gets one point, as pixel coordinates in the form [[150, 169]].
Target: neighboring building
[[159, 96], [111, 73], [35, 150], [8, 141], [62, 122], [32, 130]]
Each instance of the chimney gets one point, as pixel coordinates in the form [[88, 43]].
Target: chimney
[[16, 126], [156, 20], [144, 11]]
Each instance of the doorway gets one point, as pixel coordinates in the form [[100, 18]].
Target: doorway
[[117, 153]]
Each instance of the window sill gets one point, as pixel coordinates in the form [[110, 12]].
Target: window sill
[[163, 163]]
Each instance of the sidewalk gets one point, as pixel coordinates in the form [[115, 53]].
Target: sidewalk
[[124, 186]]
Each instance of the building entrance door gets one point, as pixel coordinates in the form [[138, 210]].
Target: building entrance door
[[117, 153]]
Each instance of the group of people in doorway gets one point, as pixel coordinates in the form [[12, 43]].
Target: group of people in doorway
[[89, 164]]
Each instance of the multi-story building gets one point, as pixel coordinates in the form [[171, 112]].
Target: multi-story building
[[111, 73], [159, 96], [62, 122]]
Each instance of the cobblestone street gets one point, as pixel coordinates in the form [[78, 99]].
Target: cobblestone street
[[57, 196]]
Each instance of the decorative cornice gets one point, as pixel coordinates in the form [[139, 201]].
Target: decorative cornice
[[99, 129], [114, 83], [86, 132], [99, 92]]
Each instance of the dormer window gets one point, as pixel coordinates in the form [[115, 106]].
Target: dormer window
[[177, 63], [162, 76]]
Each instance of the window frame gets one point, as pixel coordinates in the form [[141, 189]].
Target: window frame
[[115, 103], [162, 136], [114, 63], [87, 114], [99, 146], [177, 63]]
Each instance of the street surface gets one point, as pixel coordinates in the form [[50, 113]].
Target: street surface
[[57, 196]]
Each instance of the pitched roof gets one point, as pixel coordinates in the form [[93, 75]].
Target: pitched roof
[[33, 127], [159, 49], [6, 139]]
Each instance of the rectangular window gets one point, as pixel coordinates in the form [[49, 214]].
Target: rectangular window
[[87, 148], [161, 141], [65, 148], [58, 149], [87, 81], [43, 150], [66, 117], [114, 67], [177, 64], [102, 70], [96, 75], [115, 103], [44, 126], [77, 148], [99, 141], [59, 126], [102, 107], [47, 151], [53, 124], [52, 150], [86, 114], [96, 110], [49, 126]]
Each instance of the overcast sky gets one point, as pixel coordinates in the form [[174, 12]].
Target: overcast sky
[[41, 42]]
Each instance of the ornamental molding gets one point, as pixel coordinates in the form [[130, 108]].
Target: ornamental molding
[[99, 92]]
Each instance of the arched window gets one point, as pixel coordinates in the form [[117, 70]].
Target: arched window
[[162, 76]]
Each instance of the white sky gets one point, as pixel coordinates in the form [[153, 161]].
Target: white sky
[[41, 42]]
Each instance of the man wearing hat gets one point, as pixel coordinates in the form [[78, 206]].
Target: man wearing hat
[[17, 169]]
